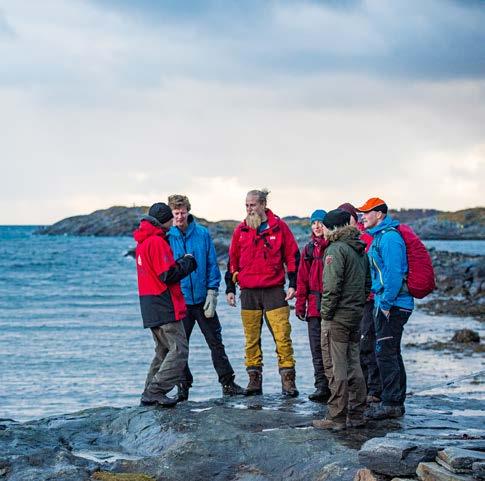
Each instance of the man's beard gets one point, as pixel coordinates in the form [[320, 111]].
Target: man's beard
[[253, 220]]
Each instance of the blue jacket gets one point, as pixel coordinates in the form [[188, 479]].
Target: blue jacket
[[197, 241], [389, 266]]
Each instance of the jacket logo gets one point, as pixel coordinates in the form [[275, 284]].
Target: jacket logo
[[328, 260], [273, 237], [139, 260]]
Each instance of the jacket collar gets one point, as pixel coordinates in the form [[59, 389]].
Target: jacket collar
[[388, 221]]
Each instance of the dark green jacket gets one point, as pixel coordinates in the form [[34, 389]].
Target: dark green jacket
[[346, 277]]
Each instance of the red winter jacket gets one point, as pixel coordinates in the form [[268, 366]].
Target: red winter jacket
[[160, 303], [260, 259], [367, 238], [310, 278], [364, 236]]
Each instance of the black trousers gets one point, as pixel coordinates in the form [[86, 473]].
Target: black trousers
[[368, 360], [315, 338], [388, 354], [212, 332]]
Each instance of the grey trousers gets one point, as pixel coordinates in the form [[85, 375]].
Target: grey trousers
[[171, 355], [341, 361]]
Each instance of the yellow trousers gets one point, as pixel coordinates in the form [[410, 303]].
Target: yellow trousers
[[278, 321]]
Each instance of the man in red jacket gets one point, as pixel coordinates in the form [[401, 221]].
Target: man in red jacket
[[162, 303], [261, 247]]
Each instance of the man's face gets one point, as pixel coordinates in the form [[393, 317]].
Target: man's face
[[371, 219], [180, 217], [318, 228], [253, 206]]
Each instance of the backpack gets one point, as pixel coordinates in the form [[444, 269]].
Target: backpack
[[420, 277]]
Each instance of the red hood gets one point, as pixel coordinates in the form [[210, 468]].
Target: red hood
[[146, 230]]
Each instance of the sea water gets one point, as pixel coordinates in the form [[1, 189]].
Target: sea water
[[72, 337]]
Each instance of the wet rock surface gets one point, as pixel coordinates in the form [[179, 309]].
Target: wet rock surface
[[460, 281], [259, 438]]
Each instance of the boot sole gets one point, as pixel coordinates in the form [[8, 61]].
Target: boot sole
[[289, 394], [254, 393], [166, 405]]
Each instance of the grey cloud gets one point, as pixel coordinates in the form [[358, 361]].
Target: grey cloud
[[438, 39]]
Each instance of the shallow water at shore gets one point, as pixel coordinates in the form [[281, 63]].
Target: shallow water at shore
[[72, 336]]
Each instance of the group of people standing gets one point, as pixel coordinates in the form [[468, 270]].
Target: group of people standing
[[350, 287]]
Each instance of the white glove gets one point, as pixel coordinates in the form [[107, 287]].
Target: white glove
[[210, 303]]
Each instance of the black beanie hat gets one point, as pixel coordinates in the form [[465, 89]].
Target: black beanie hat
[[336, 218], [162, 212]]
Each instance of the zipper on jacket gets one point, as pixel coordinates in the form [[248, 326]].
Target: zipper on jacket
[[190, 275]]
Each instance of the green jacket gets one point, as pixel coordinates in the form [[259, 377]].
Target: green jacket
[[346, 277]]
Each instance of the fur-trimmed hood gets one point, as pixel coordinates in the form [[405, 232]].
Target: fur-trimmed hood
[[348, 234]]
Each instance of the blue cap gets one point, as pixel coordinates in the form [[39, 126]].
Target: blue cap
[[319, 214]]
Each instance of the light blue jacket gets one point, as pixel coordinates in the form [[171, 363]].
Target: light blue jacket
[[389, 266], [197, 241]]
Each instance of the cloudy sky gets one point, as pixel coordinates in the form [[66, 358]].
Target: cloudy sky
[[117, 102]]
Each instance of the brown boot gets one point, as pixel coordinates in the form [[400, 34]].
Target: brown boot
[[288, 386], [255, 385], [329, 424]]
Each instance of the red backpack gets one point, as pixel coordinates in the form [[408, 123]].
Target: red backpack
[[420, 277]]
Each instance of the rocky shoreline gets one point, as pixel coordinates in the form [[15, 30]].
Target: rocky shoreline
[[460, 281], [262, 438]]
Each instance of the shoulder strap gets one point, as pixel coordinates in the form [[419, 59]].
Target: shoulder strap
[[383, 231]]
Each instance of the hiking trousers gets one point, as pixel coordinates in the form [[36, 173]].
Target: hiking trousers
[[171, 354], [341, 360], [388, 354], [212, 330], [368, 361], [315, 339], [268, 303]]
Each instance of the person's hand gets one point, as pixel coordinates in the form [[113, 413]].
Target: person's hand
[[386, 313], [210, 303], [290, 294], [231, 299], [302, 317]]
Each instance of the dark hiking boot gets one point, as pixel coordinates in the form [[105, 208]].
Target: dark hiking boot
[[182, 392], [255, 384], [356, 422], [288, 386], [321, 395], [149, 399], [329, 424], [233, 389], [371, 399], [385, 412]]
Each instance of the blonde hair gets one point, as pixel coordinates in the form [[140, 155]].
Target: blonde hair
[[177, 201], [260, 194]]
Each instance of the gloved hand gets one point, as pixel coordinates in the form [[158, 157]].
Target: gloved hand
[[302, 317], [210, 303]]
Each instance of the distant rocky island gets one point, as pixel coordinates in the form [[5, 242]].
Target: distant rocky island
[[468, 224]]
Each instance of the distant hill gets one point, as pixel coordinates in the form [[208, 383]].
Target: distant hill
[[122, 221]]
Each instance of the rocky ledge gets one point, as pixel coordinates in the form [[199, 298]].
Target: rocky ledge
[[251, 439], [460, 281]]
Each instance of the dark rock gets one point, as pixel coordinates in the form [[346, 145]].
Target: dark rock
[[395, 457], [466, 336], [478, 469], [459, 460]]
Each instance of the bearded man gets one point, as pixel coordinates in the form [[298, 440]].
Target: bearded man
[[261, 247]]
